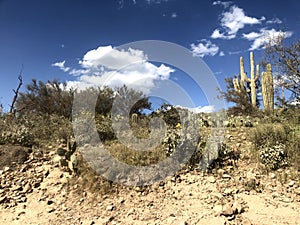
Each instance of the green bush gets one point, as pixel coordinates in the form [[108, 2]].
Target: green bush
[[15, 131], [273, 157], [277, 144], [268, 135], [33, 129]]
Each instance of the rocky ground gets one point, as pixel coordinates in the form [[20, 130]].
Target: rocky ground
[[34, 190]]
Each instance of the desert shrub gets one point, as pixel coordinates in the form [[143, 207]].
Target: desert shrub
[[104, 128], [50, 128], [273, 157], [33, 129], [268, 135], [15, 130], [277, 145]]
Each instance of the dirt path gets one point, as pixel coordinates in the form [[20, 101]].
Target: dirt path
[[188, 198]]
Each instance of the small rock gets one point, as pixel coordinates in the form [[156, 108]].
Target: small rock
[[237, 207], [2, 199], [6, 169], [16, 188], [286, 200], [227, 210], [50, 202], [291, 183], [228, 191], [211, 179], [110, 207], [272, 175], [183, 223], [131, 211], [50, 210], [27, 188], [122, 200], [226, 176], [1, 172], [220, 172], [218, 209]]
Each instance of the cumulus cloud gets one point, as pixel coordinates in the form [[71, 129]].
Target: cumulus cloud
[[106, 65], [265, 36], [224, 4], [274, 20], [216, 34], [61, 66], [232, 21], [221, 53], [204, 48]]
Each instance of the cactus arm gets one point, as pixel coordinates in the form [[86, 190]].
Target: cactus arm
[[236, 85]]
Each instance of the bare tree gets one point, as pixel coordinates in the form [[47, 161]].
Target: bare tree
[[12, 106], [285, 59]]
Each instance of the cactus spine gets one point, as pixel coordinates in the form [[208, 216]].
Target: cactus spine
[[268, 89], [253, 78]]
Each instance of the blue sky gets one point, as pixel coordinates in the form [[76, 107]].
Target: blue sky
[[66, 39]]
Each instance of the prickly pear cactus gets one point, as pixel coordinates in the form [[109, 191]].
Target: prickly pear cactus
[[66, 158]]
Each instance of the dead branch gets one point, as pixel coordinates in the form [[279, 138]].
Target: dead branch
[[12, 107]]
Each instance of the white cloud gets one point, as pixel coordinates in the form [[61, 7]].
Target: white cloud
[[274, 20], [108, 66], [199, 109], [234, 52], [216, 34], [232, 21], [221, 53], [264, 36], [156, 1], [224, 4], [174, 15], [106, 56], [61, 66], [203, 49]]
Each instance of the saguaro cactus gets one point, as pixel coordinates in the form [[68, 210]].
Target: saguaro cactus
[[268, 89], [253, 78], [134, 118]]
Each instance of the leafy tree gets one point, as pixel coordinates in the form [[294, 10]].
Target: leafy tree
[[241, 98], [130, 100], [45, 98]]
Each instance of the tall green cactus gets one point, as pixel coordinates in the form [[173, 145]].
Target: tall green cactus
[[268, 89], [253, 78], [134, 118]]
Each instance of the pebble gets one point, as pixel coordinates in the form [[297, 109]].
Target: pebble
[[291, 183], [218, 209], [228, 191], [227, 210], [110, 207], [2, 199], [131, 211], [237, 207], [226, 176], [211, 179]]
